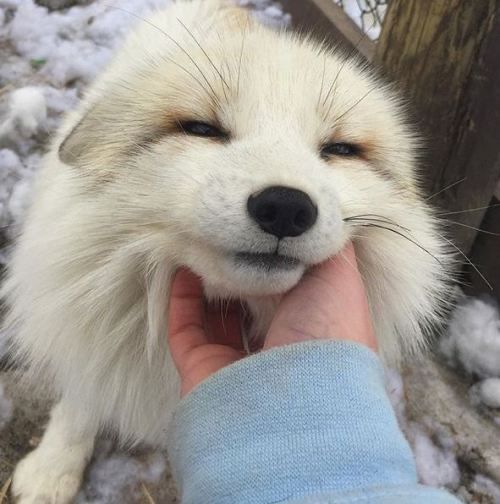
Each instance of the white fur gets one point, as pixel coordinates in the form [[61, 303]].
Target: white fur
[[88, 283]]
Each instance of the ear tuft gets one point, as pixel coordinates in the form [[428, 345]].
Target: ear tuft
[[234, 17], [87, 137], [70, 149]]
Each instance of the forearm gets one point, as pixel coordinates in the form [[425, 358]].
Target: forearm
[[310, 420]]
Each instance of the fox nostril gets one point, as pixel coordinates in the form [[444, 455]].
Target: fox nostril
[[267, 213], [302, 218]]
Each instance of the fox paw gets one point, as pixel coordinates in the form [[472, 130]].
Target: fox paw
[[48, 480]]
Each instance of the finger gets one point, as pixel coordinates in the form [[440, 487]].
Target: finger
[[185, 316], [328, 303], [349, 309], [340, 271]]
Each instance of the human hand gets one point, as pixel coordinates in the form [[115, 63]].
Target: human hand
[[328, 303]]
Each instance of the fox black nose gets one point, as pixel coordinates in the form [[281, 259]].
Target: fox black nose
[[282, 211]]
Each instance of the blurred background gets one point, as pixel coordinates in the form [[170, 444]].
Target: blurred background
[[443, 56]]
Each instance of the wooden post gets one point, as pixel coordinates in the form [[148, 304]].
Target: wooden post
[[327, 21], [485, 253], [444, 57]]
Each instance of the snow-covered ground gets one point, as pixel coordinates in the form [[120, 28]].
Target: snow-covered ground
[[470, 346], [46, 61]]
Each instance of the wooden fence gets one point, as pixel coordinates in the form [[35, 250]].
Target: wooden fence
[[444, 56]]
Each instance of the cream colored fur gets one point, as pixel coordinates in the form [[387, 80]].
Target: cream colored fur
[[132, 201]]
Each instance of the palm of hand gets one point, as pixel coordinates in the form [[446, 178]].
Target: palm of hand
[[203, 339]]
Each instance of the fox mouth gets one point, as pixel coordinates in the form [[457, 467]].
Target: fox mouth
[[266, 261]]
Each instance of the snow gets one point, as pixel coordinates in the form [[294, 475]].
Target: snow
[[267, 11], [114, 478], [13, 175], [432, 446], [472, 343], [27, 112], [484, 485], [16, 175], [437, 464], [395, 389], [73, 45], [473, 338], [489, 392]]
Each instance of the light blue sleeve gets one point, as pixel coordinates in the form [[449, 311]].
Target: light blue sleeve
[[304, 423]]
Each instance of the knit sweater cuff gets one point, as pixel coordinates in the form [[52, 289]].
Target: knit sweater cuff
[[290, 422]]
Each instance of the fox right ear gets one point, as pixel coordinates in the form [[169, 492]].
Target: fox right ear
[[98, 136], [232, 16]]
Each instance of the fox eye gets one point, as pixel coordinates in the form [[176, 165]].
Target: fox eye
[[340, 149], [202, 129]]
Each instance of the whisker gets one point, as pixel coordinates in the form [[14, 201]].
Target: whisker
[[225, 66], [468, 261], [445, 188], [402, 236], [223, 314], [333, 87], [375, 218], [322, 82], [456, 223], [214, 94], [351, 265], [244, 323], [211, 96], [205, 53], [495, 205], [241, 54], [378, 216], [171, 60], [361, 266], [354, 105]]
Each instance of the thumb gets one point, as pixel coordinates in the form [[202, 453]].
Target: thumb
[[328, 303]]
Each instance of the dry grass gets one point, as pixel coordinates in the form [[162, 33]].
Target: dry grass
[[4, 491], [145, 490], [6, 89]]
